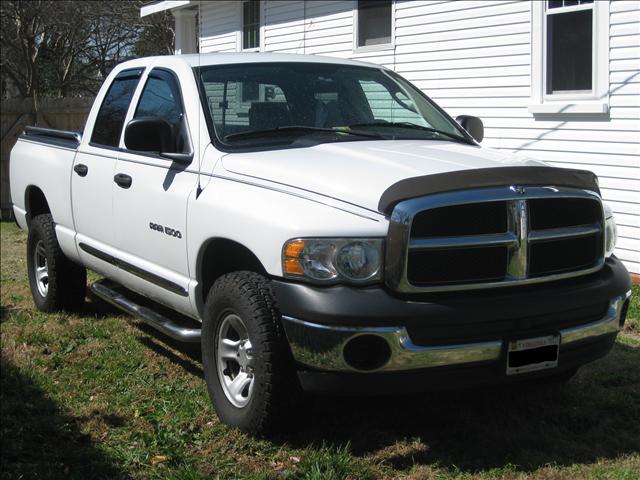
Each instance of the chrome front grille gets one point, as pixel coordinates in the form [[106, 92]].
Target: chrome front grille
[[494, 237]]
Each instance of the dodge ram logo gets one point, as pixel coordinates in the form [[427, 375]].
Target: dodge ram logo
[[169, 231]]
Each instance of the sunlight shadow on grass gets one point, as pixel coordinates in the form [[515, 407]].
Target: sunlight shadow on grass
[[191, 364], [528, 426], [40, 441]]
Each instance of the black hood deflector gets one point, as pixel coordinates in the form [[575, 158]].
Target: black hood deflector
[[485, 178]]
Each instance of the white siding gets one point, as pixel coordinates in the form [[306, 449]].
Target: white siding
[[284, 26], [220, 23], [474, 57]]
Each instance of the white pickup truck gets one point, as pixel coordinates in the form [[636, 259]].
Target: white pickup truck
[[329, 227]]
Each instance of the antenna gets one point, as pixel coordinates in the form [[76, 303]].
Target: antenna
[[198, 82]]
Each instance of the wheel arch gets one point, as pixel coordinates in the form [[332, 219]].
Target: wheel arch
[[219, 256], [35, 202]]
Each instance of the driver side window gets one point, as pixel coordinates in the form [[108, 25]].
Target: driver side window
[[161, 98]]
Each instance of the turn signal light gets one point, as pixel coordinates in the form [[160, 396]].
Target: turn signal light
[[294, 249], [292, 266], [292, 252]]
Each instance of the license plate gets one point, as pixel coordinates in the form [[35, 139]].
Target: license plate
[[531, 354]]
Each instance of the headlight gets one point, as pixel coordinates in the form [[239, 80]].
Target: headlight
[[333, 260], [610, 231]]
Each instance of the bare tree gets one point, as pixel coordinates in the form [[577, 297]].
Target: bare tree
[[157, 36], [22, 32], [68, 47], [115, 28], [67, 41]]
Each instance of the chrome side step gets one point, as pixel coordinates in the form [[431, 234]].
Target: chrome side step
[[108, 291]]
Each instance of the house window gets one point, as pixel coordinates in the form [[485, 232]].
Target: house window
[[374, 22], [250, 24], [570, 57], [569, 46]]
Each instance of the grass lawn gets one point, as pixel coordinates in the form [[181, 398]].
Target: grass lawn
[[97, 395]]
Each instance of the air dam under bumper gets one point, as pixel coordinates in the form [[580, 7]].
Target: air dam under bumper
[[320, 337]]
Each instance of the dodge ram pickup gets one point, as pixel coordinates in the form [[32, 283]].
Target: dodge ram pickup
[[319, 225]]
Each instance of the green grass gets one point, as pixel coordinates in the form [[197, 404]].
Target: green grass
[[96, 395], [633, 315]]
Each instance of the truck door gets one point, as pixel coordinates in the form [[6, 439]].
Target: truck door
[[92, 177], [150, 201]]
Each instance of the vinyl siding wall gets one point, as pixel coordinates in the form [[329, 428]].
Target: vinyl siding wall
[[474, 57]]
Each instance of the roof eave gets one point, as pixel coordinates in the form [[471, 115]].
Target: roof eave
[[156, 7]]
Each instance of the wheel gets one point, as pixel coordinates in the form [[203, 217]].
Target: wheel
[[247, 364], [56, 282]]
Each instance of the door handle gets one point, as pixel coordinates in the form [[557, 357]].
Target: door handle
[[81, 169], [123, 180]]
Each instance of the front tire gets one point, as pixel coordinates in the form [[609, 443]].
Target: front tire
[[56, 282], [247, 364]]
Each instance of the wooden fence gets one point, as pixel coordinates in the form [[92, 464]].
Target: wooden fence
[[63, 113]]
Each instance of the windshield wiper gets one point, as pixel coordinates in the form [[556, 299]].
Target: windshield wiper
[[414, 127], [299, 128]]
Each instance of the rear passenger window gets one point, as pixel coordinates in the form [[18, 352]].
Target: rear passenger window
[[161, 98], [110, 119]]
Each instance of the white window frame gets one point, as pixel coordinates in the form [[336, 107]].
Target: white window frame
[[240, 46], [595, 101], [381, 46]]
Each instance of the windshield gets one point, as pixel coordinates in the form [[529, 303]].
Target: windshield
[[299, 104]]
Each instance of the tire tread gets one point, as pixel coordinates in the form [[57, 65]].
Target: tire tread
[[280, 390], [67, 280]]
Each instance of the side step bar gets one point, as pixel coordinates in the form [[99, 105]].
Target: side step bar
[[108, 291]]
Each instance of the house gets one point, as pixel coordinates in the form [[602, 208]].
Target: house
[[558, 80]]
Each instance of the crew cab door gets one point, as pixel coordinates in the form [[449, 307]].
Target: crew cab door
[[92, 175], [150, 200]]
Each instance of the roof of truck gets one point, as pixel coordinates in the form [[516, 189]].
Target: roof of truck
[[205, 59]]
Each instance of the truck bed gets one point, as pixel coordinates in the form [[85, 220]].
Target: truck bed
[[43, 159]]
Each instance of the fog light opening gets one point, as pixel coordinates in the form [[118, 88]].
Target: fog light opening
[[366, 352]]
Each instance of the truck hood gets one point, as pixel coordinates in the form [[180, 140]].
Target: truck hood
[[359, 172]]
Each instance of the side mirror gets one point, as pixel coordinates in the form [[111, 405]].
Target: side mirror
[[149, 134], [473, 126], [154, 134]]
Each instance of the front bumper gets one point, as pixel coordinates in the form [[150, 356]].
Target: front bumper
[[451, 332], [321, 347]]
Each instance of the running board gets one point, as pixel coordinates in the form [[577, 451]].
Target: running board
[[108, 291]]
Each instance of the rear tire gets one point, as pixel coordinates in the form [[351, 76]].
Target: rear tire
[[243, 342], [56, 282]]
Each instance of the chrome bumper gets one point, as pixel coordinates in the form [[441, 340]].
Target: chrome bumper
[[321, 346]]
